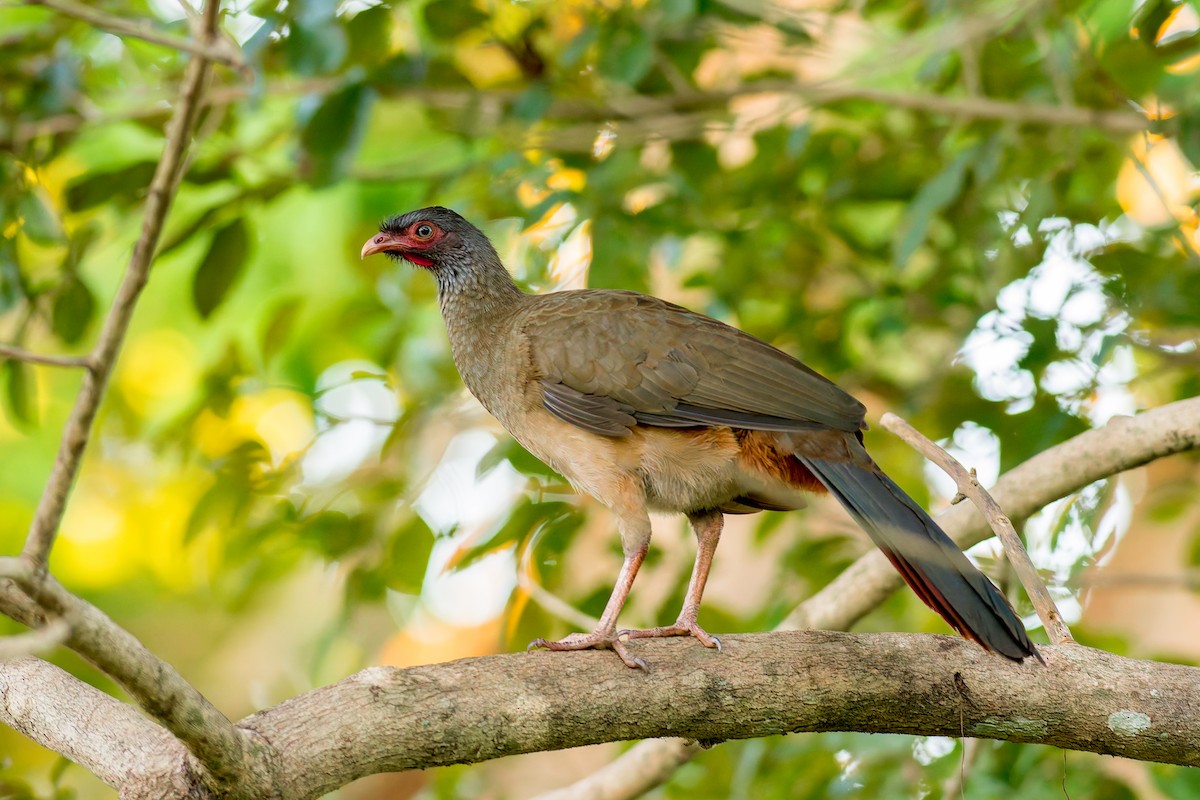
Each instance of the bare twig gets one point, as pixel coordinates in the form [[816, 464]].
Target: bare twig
[[53, 501], [1124, 443], [968, 486], [1116, 579], [647, 112], [8, 351], [550, 602], [215, 50], [36, 642], [228, 755]]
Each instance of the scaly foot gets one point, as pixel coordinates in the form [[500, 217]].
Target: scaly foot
[[682, 627], [596, 640]]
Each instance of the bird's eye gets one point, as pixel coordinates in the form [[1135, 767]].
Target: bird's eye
[[423, 231]]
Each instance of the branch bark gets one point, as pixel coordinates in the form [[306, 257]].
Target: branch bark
[[386, 719], [105, 736]]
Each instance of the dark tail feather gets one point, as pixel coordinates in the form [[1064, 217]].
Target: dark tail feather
[[925, 556]]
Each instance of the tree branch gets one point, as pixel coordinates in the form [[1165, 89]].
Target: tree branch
[[386, 719], [18, 354], [215, 50], [53, 501], [969, 487], [105, 736], [680, 115], [1124, 443], [36, 642], [229, 754]]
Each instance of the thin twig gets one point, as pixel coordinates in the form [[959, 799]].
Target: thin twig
[[36, 642], [1115, 579], [551, 603], [223, 749], [215, 50], [967, 485], [18, 354], [650, 112], [53, 501]]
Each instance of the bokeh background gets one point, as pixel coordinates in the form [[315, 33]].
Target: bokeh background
[[979, 215]]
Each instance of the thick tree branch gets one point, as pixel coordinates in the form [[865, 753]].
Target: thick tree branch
[[215, 50], [385, 719], [1124, 443], [998, 521], [230, 754], [105, 736]]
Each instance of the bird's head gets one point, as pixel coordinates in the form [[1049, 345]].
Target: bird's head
[[430, 238]]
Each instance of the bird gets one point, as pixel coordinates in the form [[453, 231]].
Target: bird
[[648, 406]]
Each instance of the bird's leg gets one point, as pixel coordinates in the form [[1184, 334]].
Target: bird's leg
[[635, 541], [707, 525]]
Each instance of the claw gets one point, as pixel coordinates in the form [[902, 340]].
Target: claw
[[682, 627]]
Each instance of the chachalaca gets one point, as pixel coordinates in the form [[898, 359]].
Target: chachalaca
[[649, 406]]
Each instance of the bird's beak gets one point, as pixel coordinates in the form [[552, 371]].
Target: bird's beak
[[381, 243]]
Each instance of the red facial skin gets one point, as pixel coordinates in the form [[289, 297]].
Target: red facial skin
[[408, 244]]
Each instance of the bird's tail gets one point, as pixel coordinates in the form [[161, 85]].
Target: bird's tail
[[925, 556]]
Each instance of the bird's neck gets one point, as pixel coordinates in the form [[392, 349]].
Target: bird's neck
[[477, 302]]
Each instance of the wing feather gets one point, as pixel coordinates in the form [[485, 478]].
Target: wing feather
[[611, 360]]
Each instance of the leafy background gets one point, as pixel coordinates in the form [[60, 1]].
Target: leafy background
[[288, 482]]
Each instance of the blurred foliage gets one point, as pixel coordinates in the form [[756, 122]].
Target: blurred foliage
[[261, 469]]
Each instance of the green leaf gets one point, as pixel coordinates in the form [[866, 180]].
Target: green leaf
[[1177, 782], [408, 556], [525, 518], [1189, 135], [220, 268], [332, 135], [628, 56], [935, 195], [447, 19], [12, 286], [315, 49], [96, 188], [370, 34], [20, 390], [72, 309], [334, 534], [39, 221], [280, 326]]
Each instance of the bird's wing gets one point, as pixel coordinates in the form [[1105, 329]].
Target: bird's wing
[[609, 360]]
